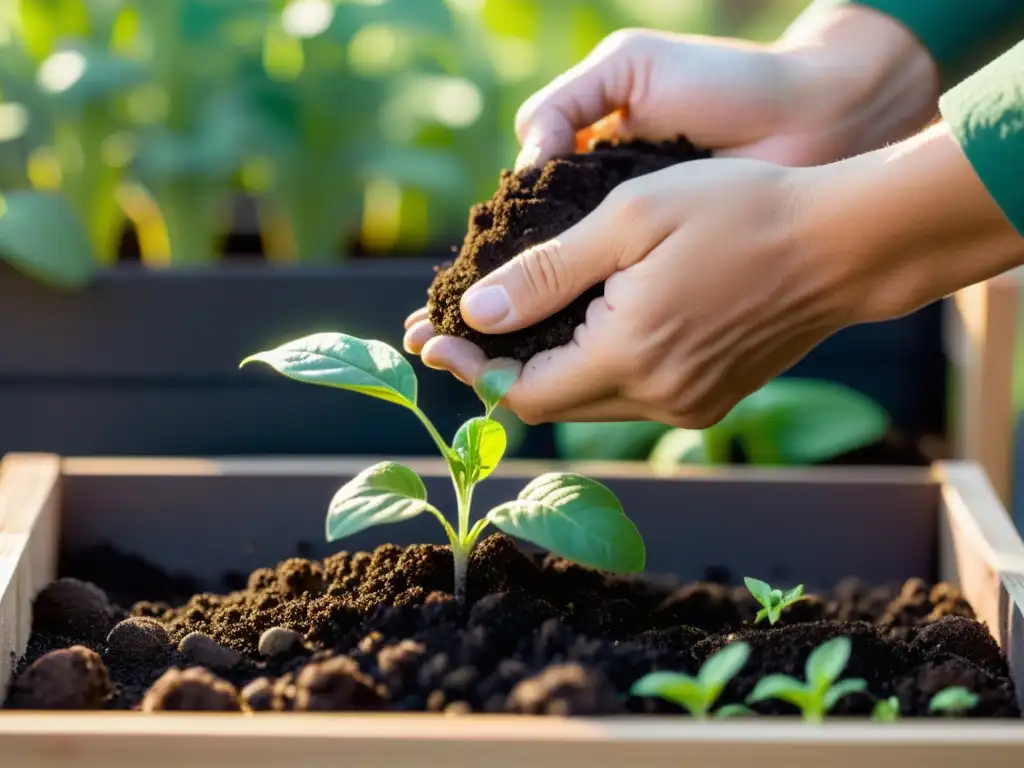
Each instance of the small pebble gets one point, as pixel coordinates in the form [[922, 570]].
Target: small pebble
[[138, 640], [202, 650], [193, 690], [278, 641], [259, 694], [69, 678]]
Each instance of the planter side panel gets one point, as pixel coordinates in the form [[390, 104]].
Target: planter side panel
[[209, 519], [29, 521]]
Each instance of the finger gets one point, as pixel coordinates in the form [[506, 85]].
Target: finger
[[547, 122], [462, 358], [609, 409], [417, 336], [418, 316]]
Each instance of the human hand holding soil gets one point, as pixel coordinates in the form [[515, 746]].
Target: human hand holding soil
[[720, 274]]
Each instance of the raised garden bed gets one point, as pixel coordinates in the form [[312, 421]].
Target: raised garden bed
[[207, 521]]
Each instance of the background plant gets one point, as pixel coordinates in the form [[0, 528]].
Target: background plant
[[821, 691], [372, 120], [789, 421], [955, 700], [568, 514]]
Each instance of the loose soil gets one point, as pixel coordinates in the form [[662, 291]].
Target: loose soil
[[380, 631], [529, 208]]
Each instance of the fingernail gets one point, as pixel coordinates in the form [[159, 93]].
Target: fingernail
[[527, 157], [486, 305]]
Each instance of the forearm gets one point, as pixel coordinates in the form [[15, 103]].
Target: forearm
[[900, 227], [862, 71]]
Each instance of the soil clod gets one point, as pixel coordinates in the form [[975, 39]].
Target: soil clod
[[194, 689], [73, 608], [138, 640], [529, 208], [69, 678]]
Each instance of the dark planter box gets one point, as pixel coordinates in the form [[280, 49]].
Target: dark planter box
[[146, 363]]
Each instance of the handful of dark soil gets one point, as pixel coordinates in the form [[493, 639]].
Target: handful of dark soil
[[529, 208]]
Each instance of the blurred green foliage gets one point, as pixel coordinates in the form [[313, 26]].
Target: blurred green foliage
[[379, 121]]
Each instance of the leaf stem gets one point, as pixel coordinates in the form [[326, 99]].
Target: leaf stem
[[440, 442], [460, 555]]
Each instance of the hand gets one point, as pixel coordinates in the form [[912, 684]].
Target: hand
[[840, 81], [720, 274]]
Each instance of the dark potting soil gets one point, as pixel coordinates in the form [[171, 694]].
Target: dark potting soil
[[380, 631], [529, 208]]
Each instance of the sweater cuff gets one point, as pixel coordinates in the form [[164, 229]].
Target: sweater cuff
[[986, 115]]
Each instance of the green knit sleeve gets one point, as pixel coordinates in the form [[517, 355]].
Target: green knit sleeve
[[986, 114], [961, 35]]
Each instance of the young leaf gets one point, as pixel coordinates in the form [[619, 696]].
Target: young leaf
[[338, 360], [480, 443], [781, 687], [734, 710], [953, 700], [774, 614], [793, 595], [841, 689], [677, 688], [383, 493], [495, 382], [886, 710], [574, 517], [759, 589], [827, 662], [763, 614], [721, 667]]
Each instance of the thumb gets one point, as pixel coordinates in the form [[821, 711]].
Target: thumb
[[542, 280]]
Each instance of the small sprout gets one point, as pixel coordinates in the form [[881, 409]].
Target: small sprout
[[953, 701], [821, 692], [570, 515], [698, 694], [886, 710], [773, 601]]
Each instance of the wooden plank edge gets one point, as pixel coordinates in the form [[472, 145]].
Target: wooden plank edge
[[29, 539], [981, 550], [320, 466], [980, 332]]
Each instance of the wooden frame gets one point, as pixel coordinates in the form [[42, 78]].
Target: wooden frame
[[945, 520], [980, 337]]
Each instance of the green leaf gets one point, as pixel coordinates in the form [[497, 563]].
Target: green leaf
[[607, 441], [843, 688], [953, 700], [383, 493], [679, 689], [774, 614], [338, 360], [886, 710], [805, 421], [734, 710], [574, 517], [721, 667], [41, 235], [826, 662], [792, 596], [782, 688], [480, 444], [759, 589], [679, 446], [495, 382], [762, 615]]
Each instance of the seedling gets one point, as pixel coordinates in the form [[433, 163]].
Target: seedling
[[886, 710], [953, 701], [773, 601], [568, 514], [698, 694], [821, 692]]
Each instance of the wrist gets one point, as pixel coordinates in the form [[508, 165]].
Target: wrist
[[860, 75], [903, 226]]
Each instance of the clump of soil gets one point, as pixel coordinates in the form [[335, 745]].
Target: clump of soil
[[529, 208], [380, 630]]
